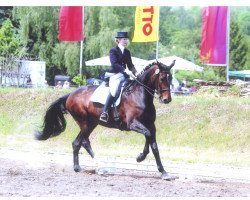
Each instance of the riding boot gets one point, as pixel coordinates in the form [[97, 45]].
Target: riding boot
[[104, 116]]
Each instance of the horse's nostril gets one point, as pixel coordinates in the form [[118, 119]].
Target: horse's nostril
[[168, 100]]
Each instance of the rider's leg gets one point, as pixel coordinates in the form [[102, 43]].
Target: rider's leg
[[104, 116], [114, 83]]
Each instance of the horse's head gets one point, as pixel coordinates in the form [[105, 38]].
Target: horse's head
[[163, 81]]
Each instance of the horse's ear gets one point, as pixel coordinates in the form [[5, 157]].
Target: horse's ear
[[170, 66]]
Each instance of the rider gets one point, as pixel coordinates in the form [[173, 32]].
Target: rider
[[120, 57]]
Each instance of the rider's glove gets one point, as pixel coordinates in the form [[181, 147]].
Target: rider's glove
[[128, 72]]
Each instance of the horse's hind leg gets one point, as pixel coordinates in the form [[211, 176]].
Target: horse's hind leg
[[82, 140]]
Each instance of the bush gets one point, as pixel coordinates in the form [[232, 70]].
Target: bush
[[78, 80]]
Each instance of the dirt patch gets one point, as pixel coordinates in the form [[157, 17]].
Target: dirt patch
[[41, 176]]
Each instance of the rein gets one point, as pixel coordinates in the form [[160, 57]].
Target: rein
[[148, 89]]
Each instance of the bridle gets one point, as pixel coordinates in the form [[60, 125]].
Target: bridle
[[159, 90], [151, 91]]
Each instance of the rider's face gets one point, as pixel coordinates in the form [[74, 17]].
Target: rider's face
[[123, 41]]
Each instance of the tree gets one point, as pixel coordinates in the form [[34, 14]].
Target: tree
[[8, 42], [238, 47], [38, 31], [9, 47], [5, 13]]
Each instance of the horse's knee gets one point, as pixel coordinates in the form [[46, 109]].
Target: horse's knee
[[154, 147], [140, 128]]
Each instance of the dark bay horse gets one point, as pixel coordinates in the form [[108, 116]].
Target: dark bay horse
[[136, 111]]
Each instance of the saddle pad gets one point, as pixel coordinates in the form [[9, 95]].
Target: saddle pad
[[101, 93]]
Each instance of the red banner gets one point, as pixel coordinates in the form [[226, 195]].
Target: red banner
[[214, 35], [71, 23]]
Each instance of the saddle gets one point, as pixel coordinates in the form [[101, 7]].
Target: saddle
[[102, 91]]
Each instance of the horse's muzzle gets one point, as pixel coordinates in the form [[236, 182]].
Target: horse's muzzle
[[165, 100]]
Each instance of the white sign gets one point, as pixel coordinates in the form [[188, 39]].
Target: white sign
[[33, 69]]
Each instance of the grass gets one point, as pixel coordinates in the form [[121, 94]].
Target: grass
[[206, 128]]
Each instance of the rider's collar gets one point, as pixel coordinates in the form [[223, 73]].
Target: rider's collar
[[121, 47]]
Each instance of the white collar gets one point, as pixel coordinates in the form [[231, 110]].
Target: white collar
[[121, 47]]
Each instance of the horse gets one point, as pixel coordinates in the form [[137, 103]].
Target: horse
[[136, 113]]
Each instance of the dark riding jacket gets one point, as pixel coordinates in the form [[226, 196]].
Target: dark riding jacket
[[119, 60]]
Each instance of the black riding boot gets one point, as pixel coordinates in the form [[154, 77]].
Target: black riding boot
[[104, 116]]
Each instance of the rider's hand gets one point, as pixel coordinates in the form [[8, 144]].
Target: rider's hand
[[128, 72]]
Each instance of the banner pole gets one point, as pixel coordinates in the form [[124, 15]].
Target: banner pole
[[228, 42], [81, 58], [81, 50], [157, 42]]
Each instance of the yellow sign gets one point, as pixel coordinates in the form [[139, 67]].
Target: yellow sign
[[146, 24]]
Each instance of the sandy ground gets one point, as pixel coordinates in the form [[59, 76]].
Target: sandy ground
[[28, 174]]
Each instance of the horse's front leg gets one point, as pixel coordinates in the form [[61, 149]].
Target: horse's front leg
[[156, 153], [150, 140], [145, 152], [76, 148], [140, 128]]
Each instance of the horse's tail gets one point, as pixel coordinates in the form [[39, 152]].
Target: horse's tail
[[54, 121]]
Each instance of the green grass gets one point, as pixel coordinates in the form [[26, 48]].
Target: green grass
[[205, 128]]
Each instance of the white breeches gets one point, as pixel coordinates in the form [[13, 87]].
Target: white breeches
[[114, 82]]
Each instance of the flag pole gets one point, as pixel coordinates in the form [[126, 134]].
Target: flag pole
[[81, 58], [81, 50], [228, 43], [157, 42]]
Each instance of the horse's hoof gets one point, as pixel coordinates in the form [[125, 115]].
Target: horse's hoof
[[140, 157], [167, 177], [77, 168]]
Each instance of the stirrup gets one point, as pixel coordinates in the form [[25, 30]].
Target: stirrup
[[104, 117]]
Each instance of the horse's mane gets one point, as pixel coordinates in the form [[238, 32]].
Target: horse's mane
[[149, 66], [143, 74]]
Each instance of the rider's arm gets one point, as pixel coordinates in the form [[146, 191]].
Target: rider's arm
[[129, 62]]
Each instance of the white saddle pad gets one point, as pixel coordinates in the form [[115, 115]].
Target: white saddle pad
[[101, 93]]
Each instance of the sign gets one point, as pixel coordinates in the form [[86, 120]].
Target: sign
[[25, 69], [214, 35], [71, 23], [146, 24]]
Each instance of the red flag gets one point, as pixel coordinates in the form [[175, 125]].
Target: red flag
[[214, 35], [71, 23]]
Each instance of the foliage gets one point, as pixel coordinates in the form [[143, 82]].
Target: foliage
[[211, 75], [78, 80], [38, 30], [8, 42], [5, 13], [238, 47], [72, 58], [188, 75], [234, 90]]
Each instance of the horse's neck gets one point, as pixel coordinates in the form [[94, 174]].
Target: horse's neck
[[148, 78], [147, 85]]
